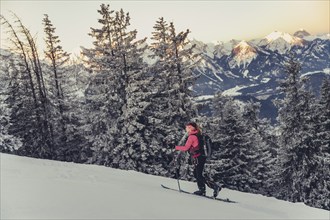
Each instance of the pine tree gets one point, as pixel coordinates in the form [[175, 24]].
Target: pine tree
[[135, 149], [56, 78], [236, 161], [212, 126], [28, 101], [324, 117], [8, 142], [181, 64], [77, 146], [119, 95], [103, 100], [264, 146], [173, 77], [298, 153], [320, 191]]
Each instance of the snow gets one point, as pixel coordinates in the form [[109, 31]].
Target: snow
[[217, 75], [4, 52], [205, 48], [243, 44], [263, 97], [43, 189], [209, 50], [233, 91], [281, 35], [244, 54], [225, 48], [319, 36], [265, 80], [204, 97], [245, 73], [280, 41], [326, 71]]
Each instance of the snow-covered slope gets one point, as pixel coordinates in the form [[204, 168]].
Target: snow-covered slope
[[41, 189]]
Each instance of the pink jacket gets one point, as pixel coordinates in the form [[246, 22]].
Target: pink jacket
[[192, 144]]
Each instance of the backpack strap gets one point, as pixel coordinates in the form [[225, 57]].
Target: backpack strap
[[199, 149]]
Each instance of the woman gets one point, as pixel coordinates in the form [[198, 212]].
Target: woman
[[194, 146]]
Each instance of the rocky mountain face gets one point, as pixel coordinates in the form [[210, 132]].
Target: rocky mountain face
[[252, 69]]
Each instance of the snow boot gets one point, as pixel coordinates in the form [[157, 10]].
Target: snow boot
[[216, 190], [200, 192]]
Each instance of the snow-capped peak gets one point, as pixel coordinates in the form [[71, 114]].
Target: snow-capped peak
[[243, 53], [280, 41], [243, 43], [285, 36], [202, 47], [225, 48], [243, 48]]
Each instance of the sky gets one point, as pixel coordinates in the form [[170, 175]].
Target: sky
[[208, 21]]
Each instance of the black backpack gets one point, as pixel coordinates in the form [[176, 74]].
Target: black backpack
[[205, 144]]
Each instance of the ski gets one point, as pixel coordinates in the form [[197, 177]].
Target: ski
[[190, 193]]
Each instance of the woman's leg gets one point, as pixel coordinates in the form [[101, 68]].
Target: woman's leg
[[199, 168]]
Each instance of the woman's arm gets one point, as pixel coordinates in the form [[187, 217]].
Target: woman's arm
[[192, 140]]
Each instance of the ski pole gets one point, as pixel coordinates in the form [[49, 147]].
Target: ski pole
[[178, 177], [178, 166]]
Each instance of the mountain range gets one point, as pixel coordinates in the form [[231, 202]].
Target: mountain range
[[251, 70]]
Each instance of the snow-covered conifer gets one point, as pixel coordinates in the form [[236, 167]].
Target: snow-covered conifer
[[237, 160], [56, 77], [320, 191], [103, 101], [28, 98], [172, 96], [299, 152], [119, 94], [264, 147], [173, 78], [8, 142]]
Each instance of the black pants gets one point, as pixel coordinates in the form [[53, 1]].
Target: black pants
[[199, 163]]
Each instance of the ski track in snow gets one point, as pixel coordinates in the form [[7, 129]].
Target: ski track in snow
[[43, 189]]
